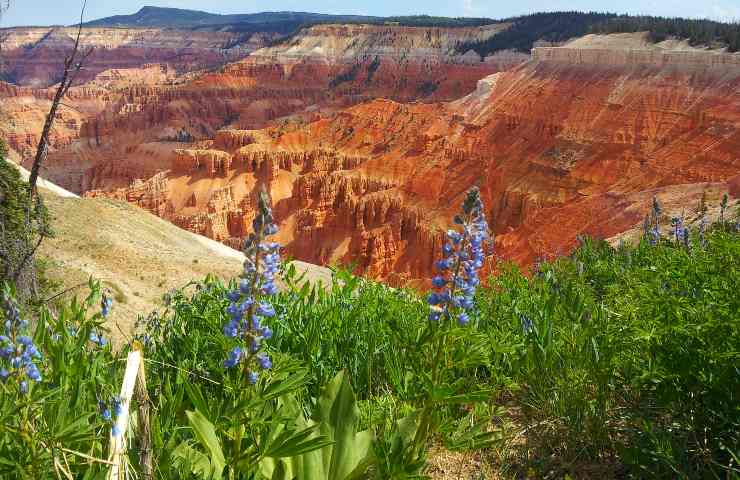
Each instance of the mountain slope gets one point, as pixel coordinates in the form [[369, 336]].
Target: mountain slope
[[138, 257]]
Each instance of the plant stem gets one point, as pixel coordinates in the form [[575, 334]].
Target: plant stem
[[422, 433]]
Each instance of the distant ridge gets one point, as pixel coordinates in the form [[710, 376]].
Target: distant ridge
[[181, 18], [523, 32], [178, 17]]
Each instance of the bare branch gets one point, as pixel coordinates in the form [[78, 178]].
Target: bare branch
[[72, 66]]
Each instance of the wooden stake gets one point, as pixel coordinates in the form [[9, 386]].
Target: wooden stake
[[145, 430], [118, 442]]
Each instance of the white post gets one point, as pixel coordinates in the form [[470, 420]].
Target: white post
[[118, 443]]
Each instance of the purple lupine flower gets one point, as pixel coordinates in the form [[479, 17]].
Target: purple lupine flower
[[248, 305], [463, 257], [105, 305], [17, 358], [117, 406], [235, 356], [264, 361], [702, 231], [527, 325]]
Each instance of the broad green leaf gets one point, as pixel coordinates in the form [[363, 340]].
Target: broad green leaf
[[205, 433]]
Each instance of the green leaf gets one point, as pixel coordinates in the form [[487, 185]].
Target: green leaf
[[205, 433], [338, 413], [291, 443], [187, 458]]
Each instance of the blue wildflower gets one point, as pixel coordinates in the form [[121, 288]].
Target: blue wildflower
[[266, 333], [21, 355], [107, 415], [464, 256], [264, 361], [105, 305], [527, 325], [231, 329], [117, 406], [32, 371], [434, 299], [115, 431], [249, 305], [266, 310], [233, 295], [235, 356], [443, 264]]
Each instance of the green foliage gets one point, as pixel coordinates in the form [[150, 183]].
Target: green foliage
[[629, 353], [56, 426], [618, 356], [23, 221], [528, 29], [348, 453], [696, 31], [362, 327], [560, 26]]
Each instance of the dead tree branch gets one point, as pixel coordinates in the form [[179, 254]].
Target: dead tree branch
[[72, 66]]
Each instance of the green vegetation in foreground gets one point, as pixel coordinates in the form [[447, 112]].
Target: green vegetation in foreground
[[622, 362]]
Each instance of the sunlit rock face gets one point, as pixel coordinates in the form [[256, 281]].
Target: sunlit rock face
[[33, 56], [576, 139]]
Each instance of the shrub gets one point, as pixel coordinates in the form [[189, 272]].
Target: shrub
[[24, 223]]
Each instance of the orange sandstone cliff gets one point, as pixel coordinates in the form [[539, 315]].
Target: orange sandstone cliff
[[575, 140]]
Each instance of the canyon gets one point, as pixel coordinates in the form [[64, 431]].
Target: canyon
[[367, 136]]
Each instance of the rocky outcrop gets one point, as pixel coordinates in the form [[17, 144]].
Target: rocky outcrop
[[566, 144], [34, 55], [651, 57], [212, 162]]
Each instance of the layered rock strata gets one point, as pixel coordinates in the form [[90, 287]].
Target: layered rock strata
[[565, 145]]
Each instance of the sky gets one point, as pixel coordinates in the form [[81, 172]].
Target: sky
[[50, 12]]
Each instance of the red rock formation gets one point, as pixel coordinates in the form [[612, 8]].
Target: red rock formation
[[34, 55], [213, 162], [564, 145], [577, 140], [273, 84]]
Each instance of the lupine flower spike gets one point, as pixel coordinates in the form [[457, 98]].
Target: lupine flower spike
[[655, 231], [679, 231], [248, 303], [18, 353], [111, 412], [105, 305], [463, 256]]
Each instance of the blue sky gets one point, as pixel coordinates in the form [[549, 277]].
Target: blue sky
[[45, 12]]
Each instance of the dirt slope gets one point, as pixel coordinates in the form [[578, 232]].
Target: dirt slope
[[138, 256]]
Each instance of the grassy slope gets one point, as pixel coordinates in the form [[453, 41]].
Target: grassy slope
[[138, 256]]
